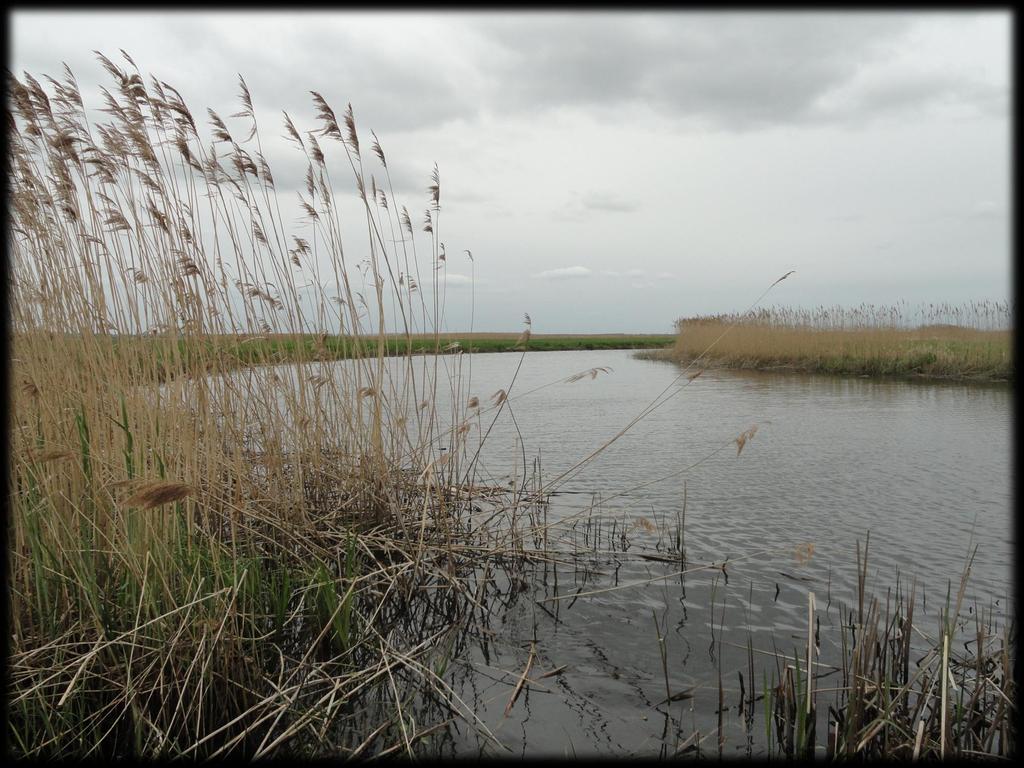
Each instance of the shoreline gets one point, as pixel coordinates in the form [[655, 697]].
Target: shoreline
[[224, 353], [338, 348]]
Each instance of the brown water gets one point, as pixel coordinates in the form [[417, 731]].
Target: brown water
[[923, 467]]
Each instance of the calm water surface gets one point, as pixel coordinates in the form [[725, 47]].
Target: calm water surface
[[923, 467]]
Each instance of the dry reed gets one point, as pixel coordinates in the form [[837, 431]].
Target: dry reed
[[290, 563], [969, 341]]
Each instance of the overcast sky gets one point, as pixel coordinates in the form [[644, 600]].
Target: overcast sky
[[615, 171]]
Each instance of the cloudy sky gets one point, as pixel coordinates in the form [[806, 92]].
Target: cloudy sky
[[615, 171]]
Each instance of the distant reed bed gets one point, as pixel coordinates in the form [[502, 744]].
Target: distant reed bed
[[968, 341]]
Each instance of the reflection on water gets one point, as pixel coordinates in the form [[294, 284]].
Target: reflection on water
[[924, 467]]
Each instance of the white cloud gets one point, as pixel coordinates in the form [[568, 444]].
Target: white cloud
[[564, 273], [716, 151]]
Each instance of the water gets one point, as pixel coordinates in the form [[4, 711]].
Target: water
[[924, 467]]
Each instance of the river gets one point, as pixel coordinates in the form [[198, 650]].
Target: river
[[923, 467]]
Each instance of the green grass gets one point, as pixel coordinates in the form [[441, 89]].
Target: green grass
[[339, 348], [554, 342], [235, 351]]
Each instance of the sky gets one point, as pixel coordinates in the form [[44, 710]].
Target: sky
[[615, 171]]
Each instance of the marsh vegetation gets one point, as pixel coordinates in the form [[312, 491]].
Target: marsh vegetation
[[213, 553], [968, 341]]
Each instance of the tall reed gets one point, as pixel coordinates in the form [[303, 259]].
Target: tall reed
[[208, 560], [953, 341]]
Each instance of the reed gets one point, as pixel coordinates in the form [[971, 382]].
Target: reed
[[907, 693], [882, 683], [211, 555], [969, 341]]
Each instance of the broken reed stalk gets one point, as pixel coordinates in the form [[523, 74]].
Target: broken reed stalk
[[886, 707], [943, 730], [663, 654], [522, 680], [810, 647]]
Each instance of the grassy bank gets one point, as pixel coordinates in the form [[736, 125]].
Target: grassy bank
[[848, 342], [553, 342], [232, 351]]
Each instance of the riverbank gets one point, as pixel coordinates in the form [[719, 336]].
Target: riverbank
[[342, 347], [939, 352], [164, 358]]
